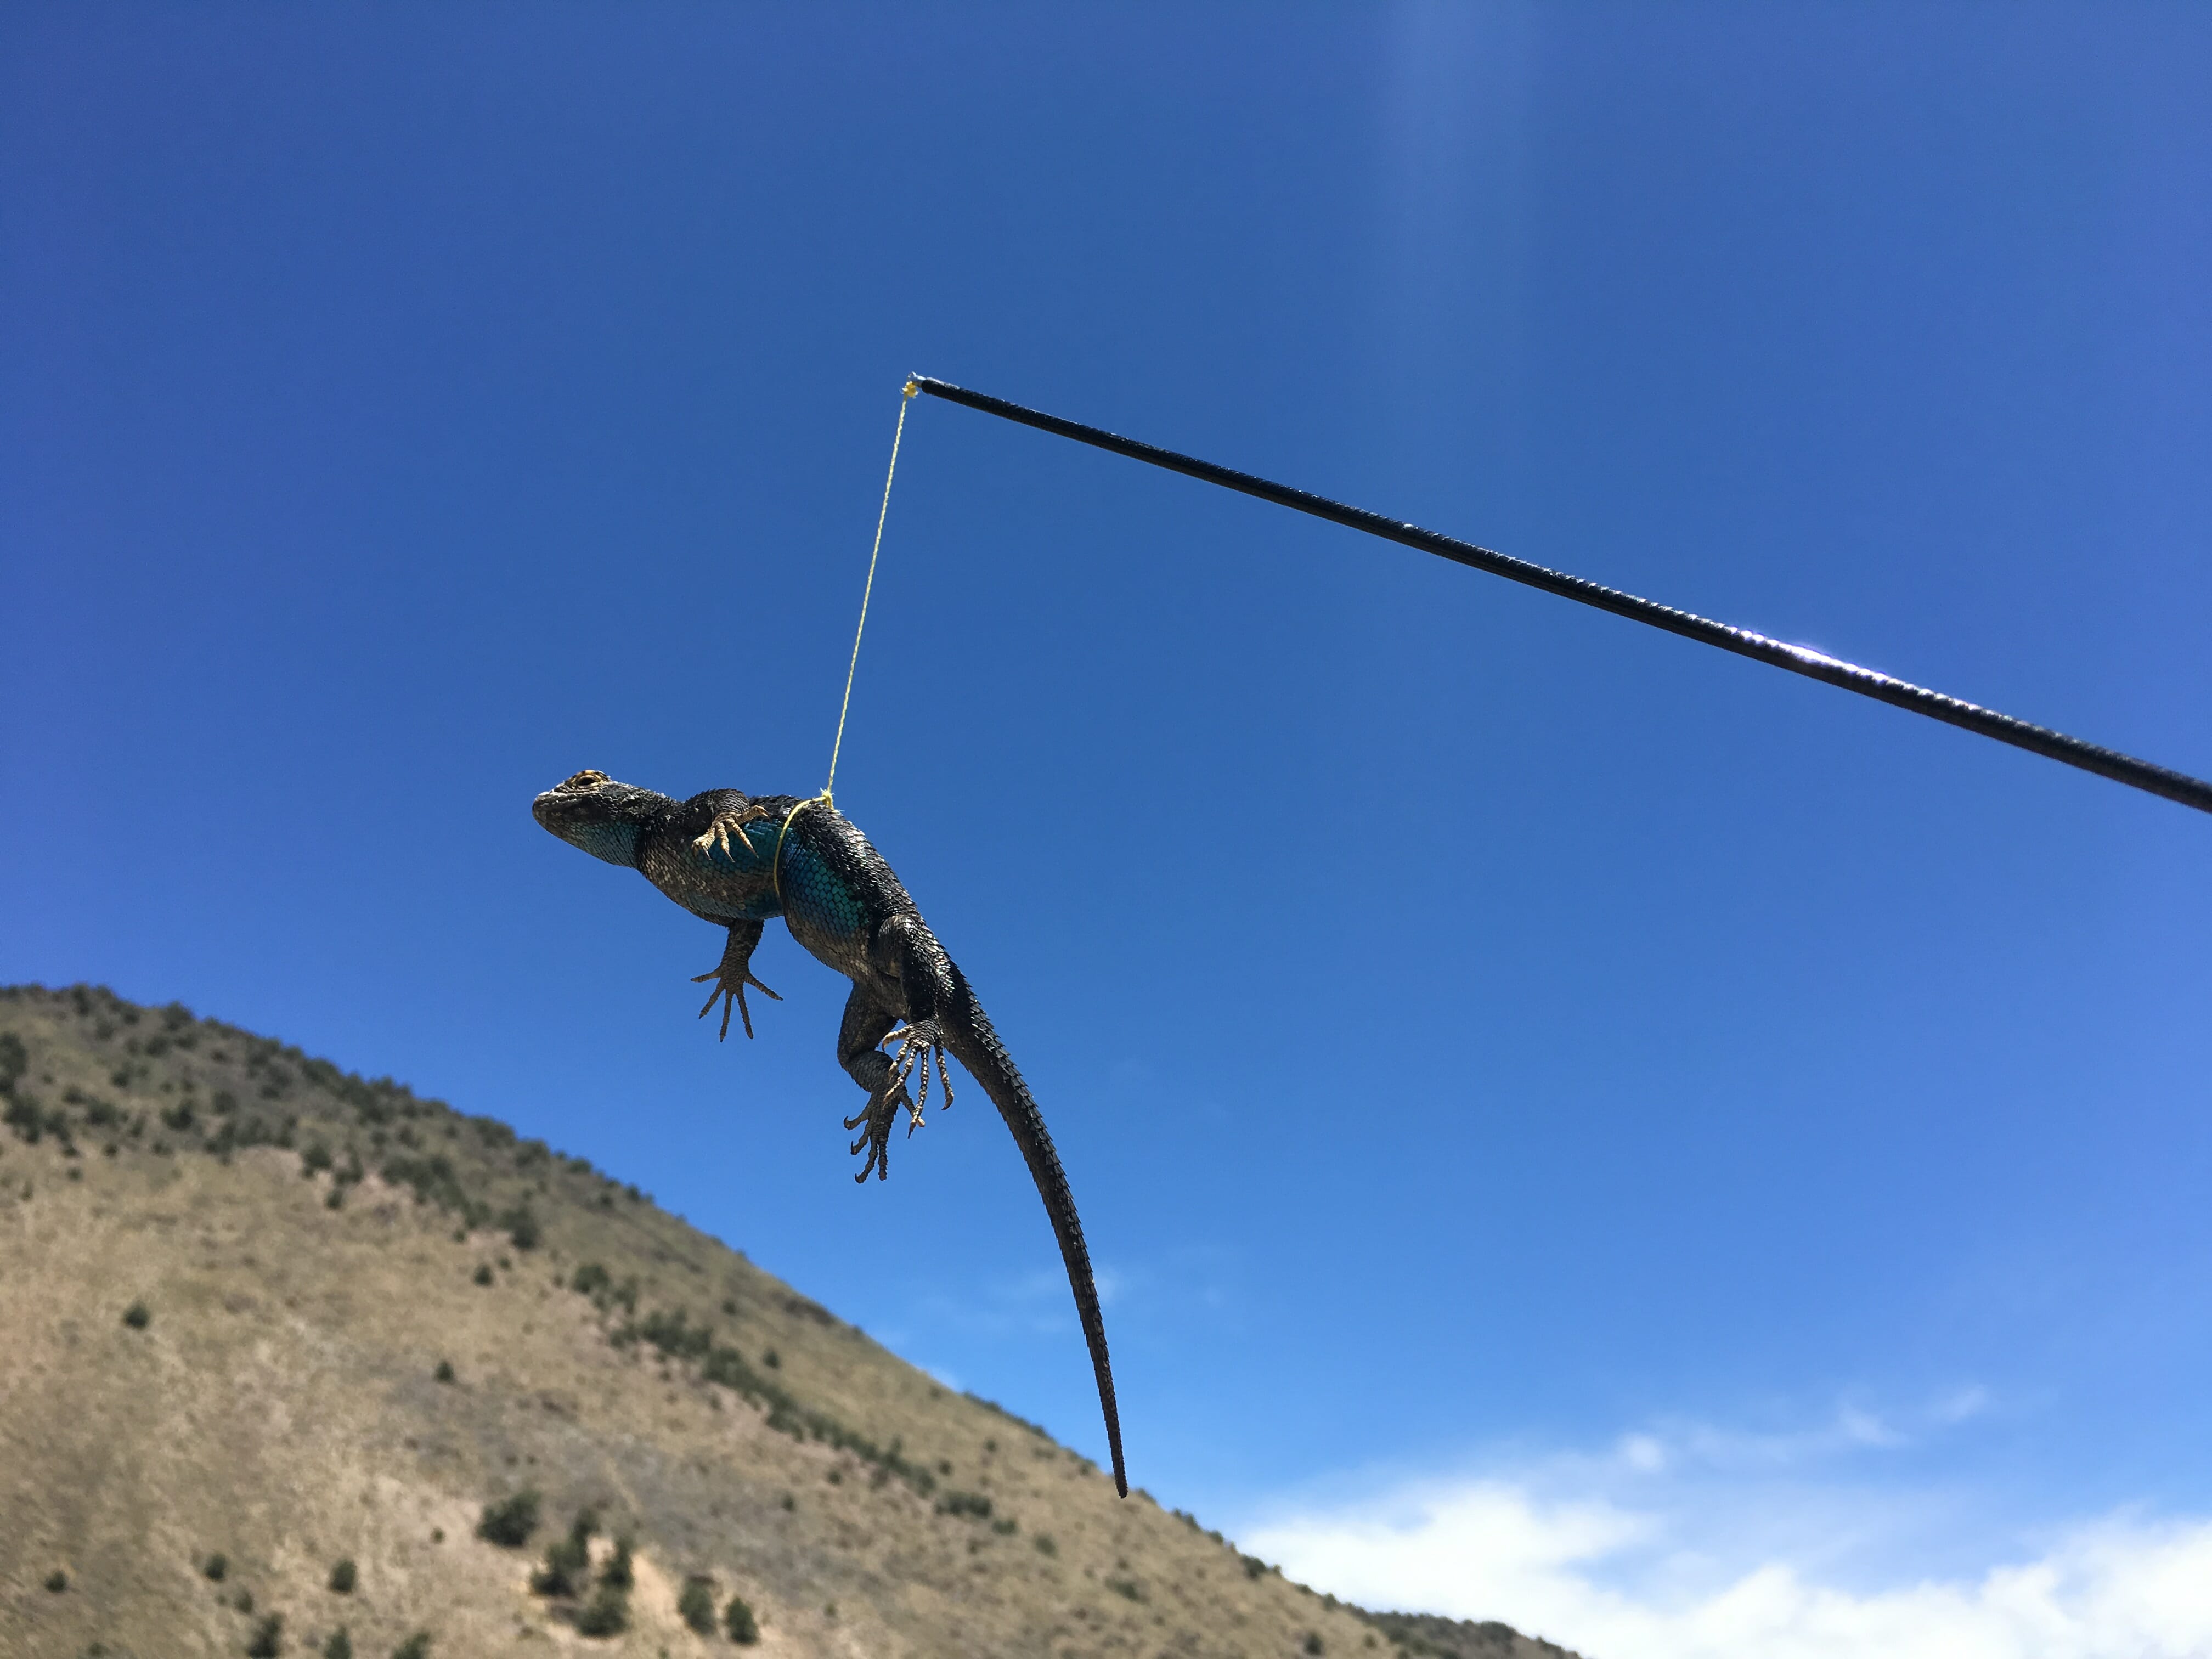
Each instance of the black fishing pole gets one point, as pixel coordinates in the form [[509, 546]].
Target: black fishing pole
[[1797, 658]]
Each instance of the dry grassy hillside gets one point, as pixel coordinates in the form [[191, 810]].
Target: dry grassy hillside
[[258, 1310]]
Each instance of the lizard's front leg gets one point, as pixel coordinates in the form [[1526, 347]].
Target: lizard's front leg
[[733, 974], [728, 821]]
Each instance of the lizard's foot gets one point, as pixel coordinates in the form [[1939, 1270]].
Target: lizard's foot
[[918, 1044], [729, 988], [729, 820], [917, 1047], [878, 1116]]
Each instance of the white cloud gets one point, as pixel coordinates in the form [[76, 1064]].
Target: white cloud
[[1690, 1542], [1644, 1453], [1494, 1551], [1702, 1445], [1965, 1403]]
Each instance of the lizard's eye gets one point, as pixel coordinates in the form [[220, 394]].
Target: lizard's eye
[[588, 779]]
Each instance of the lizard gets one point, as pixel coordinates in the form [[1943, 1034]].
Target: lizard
[[739, 861]]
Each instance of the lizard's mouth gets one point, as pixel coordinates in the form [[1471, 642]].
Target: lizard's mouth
[[592, 811], [557, 810], [570, 802]]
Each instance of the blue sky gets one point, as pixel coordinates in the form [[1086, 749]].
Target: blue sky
[[1578, 1129]]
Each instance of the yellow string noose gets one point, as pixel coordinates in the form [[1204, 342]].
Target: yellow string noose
[[882, 513]]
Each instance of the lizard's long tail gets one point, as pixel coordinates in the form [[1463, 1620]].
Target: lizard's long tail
[[968, 1033]]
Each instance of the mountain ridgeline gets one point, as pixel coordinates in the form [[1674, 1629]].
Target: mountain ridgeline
[[298, 1363]]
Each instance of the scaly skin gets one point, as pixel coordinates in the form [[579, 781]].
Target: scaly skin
[[736, 861]]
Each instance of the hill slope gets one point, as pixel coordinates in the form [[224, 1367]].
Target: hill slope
[[259, 1308]]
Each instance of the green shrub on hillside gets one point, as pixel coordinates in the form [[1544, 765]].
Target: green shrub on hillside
[[738, 1619], [619, 1572], [445, 1371], [568, 1568], [521, 1225], [678, 1340], [416, 1646], [267, 1639], [510, 1521], [483, 1274], [433, 1179], [591, 1278], [696, 1605], [971, 1503], [216, 1565], [342, 1575], [568, 1564], [56, 1582], [340, 1646], [137, 1317], [676, 1336], [607, 1615]]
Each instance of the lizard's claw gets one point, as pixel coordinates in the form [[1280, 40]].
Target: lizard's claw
[[718, 836], [730, 988]]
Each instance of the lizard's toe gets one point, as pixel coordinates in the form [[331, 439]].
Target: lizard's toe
[[919, 1044], [874, 1123], [731, 987]]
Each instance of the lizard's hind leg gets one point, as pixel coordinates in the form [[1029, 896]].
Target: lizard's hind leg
[[866, 1025]]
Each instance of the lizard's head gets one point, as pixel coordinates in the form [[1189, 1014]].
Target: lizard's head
[[604, 818]]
